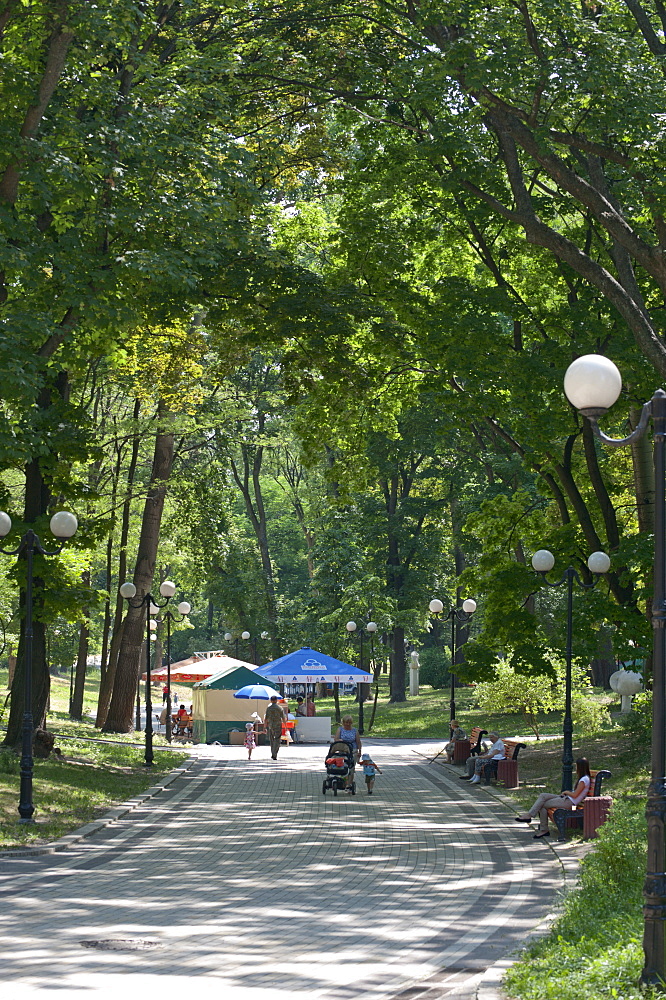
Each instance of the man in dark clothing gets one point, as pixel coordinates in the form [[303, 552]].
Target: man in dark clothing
[[273, 720]]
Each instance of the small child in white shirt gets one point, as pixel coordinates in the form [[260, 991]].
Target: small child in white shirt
[[250, 741]]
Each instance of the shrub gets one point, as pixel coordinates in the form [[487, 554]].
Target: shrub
[[517, 694], [588, 714], [9, 762], [637, 725], [594, 948], [434, 668]]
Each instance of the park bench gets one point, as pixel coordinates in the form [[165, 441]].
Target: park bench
[[462, 749], [589, 815], [505, 770]]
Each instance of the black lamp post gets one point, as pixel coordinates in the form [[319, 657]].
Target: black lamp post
[[128, 591], [542, 562], [63, 525], [457, 616], [370, 628], [592, 384], [183, 610], [245, 636]]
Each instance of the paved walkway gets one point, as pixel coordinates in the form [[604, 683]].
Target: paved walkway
[[241, 880]]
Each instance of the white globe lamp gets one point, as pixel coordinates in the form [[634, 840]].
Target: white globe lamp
[[592, 384]]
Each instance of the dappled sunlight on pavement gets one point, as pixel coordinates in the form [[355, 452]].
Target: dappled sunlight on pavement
[[241, 878]]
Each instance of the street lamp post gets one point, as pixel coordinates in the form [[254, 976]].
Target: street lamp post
[[457, 616], [542, 562], [370, 628], [245, 636], [183, 610], [128, 591], [63, 525], [592, 384]]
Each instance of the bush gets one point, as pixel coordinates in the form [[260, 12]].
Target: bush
[[588, 714], [517, 694], [434, 668], [594, 949], [9, 762], [637, 725]]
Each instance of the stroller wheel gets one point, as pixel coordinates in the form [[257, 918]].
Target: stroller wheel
[[335, 789], [353, 788], [323, 789]]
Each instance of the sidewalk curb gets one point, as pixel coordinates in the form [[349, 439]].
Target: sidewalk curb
[[116, 813], [489, 984]]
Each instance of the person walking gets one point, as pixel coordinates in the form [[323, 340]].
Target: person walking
[[348, 733], [250, 740], [273, 720], [370, 769]]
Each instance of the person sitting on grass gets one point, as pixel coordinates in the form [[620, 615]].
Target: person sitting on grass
[[565, 800]]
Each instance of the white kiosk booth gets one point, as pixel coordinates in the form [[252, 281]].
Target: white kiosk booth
[[305, 667]]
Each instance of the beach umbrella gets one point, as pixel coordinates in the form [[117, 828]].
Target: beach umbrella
[[260, 692]]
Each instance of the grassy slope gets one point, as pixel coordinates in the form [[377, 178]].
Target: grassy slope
[[90, 776]]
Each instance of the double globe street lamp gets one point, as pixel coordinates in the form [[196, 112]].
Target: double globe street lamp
[[183, 611], [371, 629], [542, 562], [457, 616], [128, 591], [592, 384], [63, 525], [245, 636]]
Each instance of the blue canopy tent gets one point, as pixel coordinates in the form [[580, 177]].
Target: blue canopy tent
[[307, 666]]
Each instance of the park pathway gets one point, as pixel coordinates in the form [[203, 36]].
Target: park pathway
[[241, 880]]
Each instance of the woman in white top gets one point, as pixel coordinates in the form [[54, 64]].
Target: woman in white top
[[565, 800]]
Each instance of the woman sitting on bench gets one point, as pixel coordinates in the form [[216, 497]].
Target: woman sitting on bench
[[565, 800]]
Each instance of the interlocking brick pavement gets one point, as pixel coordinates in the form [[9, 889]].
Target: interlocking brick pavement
[[245, 881]]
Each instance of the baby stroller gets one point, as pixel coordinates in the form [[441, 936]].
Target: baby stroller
[[339, 766]]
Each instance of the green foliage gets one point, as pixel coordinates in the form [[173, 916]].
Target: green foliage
[[594, 948], [589, 716], [637, 726], [515, 693], [530, 695], [435, 667], [9, 762]]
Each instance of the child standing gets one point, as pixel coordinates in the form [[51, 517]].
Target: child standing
[[369, 770], [250, 741]]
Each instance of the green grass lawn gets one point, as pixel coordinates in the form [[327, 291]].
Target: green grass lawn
[[426, 715], [95, 771]]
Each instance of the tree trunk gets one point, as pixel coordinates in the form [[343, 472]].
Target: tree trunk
[[81, 661], [107, 681], [249, 483], [399, 665], [119, 718], [36, 505], [603, 665], [641, 455]]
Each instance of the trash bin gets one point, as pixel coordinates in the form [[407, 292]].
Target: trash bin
[[595, 813]]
